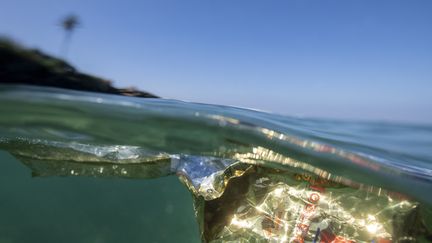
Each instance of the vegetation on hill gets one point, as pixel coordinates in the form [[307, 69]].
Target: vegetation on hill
[[19, 65]]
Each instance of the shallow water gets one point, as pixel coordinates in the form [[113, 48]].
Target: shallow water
[[67, 133]]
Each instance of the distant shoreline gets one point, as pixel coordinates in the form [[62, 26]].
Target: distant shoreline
[[19, 65]]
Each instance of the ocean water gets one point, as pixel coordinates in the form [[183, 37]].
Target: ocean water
[[83, 209], [88, 167]]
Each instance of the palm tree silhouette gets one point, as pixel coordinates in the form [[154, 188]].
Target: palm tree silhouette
[[69, 23]]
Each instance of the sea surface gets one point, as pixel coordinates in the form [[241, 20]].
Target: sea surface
[[71, 163]]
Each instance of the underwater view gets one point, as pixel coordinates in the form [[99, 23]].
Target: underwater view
[[83, 209], [88, 167]]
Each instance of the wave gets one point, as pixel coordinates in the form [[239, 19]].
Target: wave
[[214, 149]]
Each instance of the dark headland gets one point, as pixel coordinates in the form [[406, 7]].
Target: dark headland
[[19, 65]]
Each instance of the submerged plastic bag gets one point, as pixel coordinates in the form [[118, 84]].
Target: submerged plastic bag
[[237, 202], [240, 200]]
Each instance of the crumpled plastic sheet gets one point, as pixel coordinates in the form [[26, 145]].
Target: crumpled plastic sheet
[[237, 202], [253, 202]]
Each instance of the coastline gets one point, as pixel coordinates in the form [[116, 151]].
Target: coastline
[[20, 65]]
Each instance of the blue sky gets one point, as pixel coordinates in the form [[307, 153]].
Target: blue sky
[[346, 59]]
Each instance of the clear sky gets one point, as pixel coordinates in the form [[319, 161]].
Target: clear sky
[[349, 59]]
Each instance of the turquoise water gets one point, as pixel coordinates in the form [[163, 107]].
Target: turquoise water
[[101, 164], [82, 209]]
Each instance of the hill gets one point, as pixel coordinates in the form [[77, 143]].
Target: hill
[[19, 65]]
